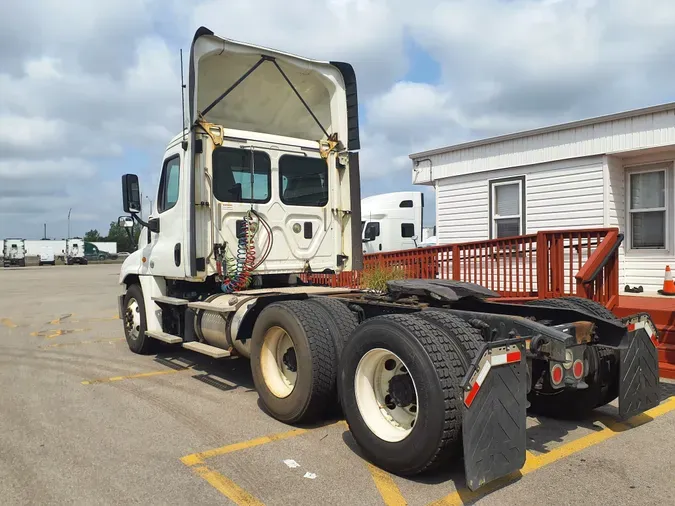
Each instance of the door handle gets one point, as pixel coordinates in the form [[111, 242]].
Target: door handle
[[176, 254]]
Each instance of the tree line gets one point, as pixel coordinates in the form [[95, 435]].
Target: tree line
[[116, 234]]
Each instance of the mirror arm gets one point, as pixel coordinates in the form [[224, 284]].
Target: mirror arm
[[142, 223]]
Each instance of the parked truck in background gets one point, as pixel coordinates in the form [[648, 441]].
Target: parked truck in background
[[46, 256], [74, 252], [392, 221], [262, 187], [14, 252], [92, 252]]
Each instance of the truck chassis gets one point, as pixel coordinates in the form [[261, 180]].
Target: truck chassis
[[424, 373]]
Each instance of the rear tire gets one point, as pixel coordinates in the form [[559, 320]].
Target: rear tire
[[603, 380], [135, 323], [469, 337], [338, 314], [293, 361], [431, 360]]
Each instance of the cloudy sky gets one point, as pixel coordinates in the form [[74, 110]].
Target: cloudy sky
[[91, 90]]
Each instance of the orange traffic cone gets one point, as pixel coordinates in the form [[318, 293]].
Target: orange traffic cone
[[668, 285]]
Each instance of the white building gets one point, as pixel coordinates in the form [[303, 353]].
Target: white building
[[611, 171]]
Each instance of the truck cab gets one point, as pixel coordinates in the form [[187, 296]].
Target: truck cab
[[265, 179], [392, 221], [14, 252]]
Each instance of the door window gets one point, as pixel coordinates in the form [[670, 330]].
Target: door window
[[238, 177], [304, 181], [169, 185]]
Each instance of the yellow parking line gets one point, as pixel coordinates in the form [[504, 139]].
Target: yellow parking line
[[8, 323], [227, 487], [223, 484], [134, 376], [391, 495], [532, 462]]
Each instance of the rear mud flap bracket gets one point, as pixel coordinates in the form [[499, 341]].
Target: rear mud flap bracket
[[639, 368], [494, 412]]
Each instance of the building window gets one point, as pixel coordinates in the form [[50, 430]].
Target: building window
[[507, 207], [169, 185], [304, 181], [232, 170], [407, 229], [647, 209]]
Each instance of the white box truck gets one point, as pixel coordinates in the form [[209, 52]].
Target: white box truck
[[263, 186], [46, 256], [14, 252]]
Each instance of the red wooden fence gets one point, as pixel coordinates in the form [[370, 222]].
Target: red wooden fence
[[542, 265]]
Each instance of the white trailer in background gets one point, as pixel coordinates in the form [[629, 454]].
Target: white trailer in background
[[14, 252], [108, 247], [392, 221]]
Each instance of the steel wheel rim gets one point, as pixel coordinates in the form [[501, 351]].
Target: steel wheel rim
[[132, 319], [278, 362], [387, 416]]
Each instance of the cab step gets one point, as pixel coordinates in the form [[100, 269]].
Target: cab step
[[163, 336], [207, 306], [206, 349], [173, 301]]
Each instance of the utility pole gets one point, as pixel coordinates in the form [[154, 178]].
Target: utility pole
[[69, 210], [150, 200]]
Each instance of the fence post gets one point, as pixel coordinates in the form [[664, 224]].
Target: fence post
[[455, 262], [542, 265]]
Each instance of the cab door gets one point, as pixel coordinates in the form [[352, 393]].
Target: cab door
[[165, 249]]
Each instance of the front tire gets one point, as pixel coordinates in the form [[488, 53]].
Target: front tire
[[135, 323], [395, 366], [293, 361]]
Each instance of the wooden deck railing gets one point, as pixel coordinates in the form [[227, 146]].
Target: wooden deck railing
[[543, 265]]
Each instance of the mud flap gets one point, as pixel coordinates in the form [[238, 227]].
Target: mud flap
[[639, 367], [494, 414]]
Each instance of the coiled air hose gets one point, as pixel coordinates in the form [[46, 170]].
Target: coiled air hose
[[245, 259]]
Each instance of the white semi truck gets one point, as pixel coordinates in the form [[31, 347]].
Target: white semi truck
[[14, 252], [262, 186], [392, 221]]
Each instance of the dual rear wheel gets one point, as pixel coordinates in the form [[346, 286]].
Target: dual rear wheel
[[398, 376]]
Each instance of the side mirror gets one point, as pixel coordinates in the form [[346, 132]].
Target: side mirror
[[131, 195], [125, 221]]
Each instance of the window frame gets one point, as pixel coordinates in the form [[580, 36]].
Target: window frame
[[630, 170], [376, 224], [253, 153], [281, 180], [413, 230], [161, 193], [493, 184]]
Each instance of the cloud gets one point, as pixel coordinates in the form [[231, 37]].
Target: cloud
[[89, 91]]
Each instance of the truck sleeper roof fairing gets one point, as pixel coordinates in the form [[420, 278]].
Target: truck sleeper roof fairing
[[267, 91], [265, 100]]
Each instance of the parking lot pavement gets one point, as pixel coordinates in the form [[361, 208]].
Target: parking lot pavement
[[85, 421]]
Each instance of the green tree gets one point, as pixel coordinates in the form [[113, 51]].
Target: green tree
[[93, 236], [120, 236]]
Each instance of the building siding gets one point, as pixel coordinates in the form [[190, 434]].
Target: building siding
[[557, 196], [628, 134], [638, 267]]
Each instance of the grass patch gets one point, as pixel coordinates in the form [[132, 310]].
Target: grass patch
[[375, 278]]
